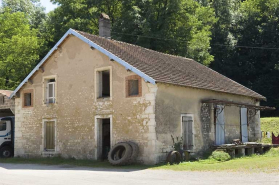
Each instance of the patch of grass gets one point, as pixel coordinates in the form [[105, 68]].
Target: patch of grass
[[256, 163], [270, 125]]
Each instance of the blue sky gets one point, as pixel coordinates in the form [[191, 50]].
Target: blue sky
[[49, 6], [46, 3]]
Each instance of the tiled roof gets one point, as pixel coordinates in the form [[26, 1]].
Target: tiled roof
[[171, 69], [6, 92]]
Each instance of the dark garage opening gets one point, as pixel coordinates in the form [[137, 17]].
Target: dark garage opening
[[105, 138]]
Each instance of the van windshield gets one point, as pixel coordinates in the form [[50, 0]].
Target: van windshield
[[3, 125]]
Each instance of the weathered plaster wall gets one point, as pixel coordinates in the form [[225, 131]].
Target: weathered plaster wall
[[172, 101], [8, 104], [74, 65]]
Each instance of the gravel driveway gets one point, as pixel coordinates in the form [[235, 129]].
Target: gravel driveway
[[28, 174]]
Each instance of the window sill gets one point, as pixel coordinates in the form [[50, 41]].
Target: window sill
[[27, 107], [133, 96], [104, 99], [49, 153], [49, 104]]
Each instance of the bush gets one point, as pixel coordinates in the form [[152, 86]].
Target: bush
[[220, 156]]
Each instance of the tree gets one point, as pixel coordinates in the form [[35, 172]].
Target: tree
[[258, 28], [31, 8], [18, 48], [81, 15], [175, 27], [245, 45]]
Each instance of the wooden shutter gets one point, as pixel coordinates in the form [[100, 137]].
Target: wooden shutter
[[244, 127], [187, 126], [220, 125], [50, 135]]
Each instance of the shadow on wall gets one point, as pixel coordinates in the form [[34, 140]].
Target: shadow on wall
[[6, 112]]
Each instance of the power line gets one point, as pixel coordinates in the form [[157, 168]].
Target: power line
[[249, 47], [252, 47]]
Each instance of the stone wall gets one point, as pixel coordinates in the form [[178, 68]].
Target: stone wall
[[172, 101], [76, 109], [8, 104]]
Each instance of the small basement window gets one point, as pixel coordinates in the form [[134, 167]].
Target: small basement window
[[27, 98], [133, 86], [104, 84]]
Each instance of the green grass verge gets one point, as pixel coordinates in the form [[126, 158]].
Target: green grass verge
[[246, 164], [256, 163]]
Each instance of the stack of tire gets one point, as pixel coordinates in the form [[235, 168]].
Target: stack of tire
[[123, 153]]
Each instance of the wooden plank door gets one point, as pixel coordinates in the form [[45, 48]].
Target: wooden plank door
[[220, 125], [244, 125], [187, 134]]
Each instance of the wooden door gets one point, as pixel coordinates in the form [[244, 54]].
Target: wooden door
[[187, 134]]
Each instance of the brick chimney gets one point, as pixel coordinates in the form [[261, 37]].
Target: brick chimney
[[104, 26]]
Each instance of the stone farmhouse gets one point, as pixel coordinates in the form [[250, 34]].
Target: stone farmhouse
[[7, 106], [91, 92]]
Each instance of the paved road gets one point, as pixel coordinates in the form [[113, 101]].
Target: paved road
[[27, 174]]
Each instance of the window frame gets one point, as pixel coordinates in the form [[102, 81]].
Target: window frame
[[97, 83], [28, 91], [45, 89], [48, 98], [44, 135], [133, 77]]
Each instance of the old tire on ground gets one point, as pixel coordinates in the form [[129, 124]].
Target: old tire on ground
[[135, 152], [6, 152], [171, 155], [126, 151]]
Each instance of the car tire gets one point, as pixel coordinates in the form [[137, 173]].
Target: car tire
[[135, 152], [171, 160], [123, 152]]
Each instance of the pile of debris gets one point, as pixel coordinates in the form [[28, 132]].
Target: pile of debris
[[123, 153]]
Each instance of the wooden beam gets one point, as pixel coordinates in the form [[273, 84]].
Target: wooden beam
[[42, 69]]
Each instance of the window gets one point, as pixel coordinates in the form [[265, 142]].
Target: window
[[2, 100], [103, 86], [3, 126], [50, 94], [133, 86], [49, 138], [27, 98], [187, 132]]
